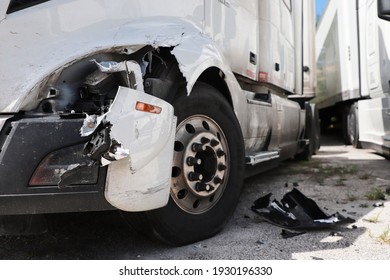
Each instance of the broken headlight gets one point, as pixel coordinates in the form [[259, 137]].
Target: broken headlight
[[54, 165]]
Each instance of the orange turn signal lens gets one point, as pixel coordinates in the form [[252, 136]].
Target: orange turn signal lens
[[140, 106]]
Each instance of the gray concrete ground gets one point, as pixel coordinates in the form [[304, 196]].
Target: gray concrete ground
[[339, 178]]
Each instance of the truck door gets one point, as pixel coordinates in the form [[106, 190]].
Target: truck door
[[233, 26], [374, 113], [384, 54]]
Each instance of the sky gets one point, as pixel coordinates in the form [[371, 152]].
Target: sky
[[320, 6]]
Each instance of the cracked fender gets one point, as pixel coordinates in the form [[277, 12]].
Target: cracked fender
[[140, 181]]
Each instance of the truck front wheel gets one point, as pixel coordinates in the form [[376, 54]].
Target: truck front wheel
[[312, 132], [353, 126], [207, 171]]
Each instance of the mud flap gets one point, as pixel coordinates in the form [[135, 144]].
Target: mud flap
[[139, 150]]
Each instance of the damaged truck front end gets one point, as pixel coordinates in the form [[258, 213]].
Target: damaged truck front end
[[121, 108], [95, 141], [135, 106]]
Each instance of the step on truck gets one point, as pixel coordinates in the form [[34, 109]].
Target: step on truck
[[353, 68], [156, 108]]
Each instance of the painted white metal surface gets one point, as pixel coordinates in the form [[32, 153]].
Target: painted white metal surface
[[256, 36], [109, 27], [375, 50], [337, 54], [309, 55], [375, 123], [374, 113], [140, 181], [71, 29], [233, 26], [144, 134], [3, 9]]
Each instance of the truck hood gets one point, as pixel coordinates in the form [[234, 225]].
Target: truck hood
[[31, 58]]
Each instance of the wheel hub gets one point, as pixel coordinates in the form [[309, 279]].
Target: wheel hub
[[200, 169]]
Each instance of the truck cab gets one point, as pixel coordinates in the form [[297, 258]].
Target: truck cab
[[157, 109]]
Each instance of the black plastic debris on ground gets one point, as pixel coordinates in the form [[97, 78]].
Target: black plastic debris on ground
[[297, 212], [262, 202]]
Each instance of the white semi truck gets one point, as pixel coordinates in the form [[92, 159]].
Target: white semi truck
[[157, 108], [353, 67]]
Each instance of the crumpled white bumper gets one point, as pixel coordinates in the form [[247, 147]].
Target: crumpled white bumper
[[141, 180]]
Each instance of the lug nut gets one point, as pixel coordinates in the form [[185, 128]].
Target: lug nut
[[220, 153], [196, 147], [200, 187], [214, 142], [221, 167], [193, 176], [191, 161]]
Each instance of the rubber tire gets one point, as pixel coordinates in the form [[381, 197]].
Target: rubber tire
[[316, 125], [353, 126], [171, 224], [345, 125], [310, 133]]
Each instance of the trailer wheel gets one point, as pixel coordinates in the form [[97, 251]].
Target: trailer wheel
[[353, 126], [316, 128], [346, 124], [312, 132], [207, 172]]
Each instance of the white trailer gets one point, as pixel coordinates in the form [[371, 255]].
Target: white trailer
[[156, 108], [353, 67]]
